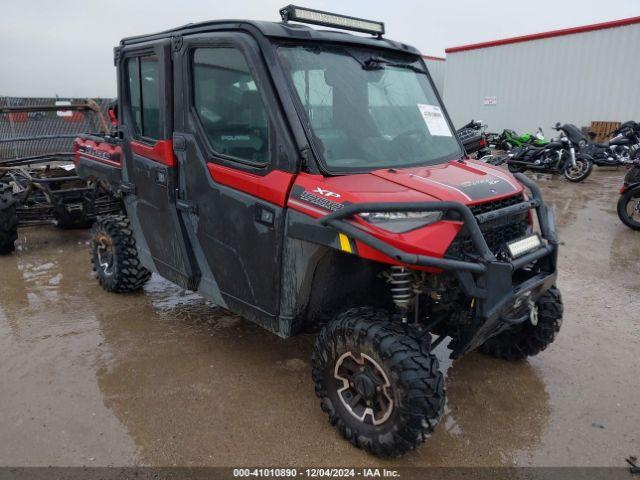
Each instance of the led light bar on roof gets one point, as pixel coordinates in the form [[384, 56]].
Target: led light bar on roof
[[327, 19]]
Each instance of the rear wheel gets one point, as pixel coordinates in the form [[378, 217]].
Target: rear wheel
[[8, 219], [114, 256], [526, 339], [381, 390], [580, 171], [629, 208]]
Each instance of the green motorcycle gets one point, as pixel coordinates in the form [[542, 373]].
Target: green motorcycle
[[508, 140]]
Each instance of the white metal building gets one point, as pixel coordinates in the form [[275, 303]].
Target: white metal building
[[577, 75], [436, 66]]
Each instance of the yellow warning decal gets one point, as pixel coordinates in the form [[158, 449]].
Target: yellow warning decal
[[345, 245]]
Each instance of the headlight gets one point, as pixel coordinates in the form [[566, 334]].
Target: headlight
[[399, 222]]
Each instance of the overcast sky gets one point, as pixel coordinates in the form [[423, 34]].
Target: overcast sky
[[65, 47]]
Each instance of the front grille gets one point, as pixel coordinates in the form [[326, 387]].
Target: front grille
[[497, 204], [496, 233]]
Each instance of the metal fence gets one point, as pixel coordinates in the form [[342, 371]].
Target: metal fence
[[31, 127]]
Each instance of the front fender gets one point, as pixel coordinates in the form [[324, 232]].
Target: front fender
[[629, 186]]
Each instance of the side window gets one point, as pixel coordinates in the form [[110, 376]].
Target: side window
[[144, 95], [229, 105]]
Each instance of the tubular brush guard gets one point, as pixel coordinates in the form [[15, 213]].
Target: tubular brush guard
[[489, 281]]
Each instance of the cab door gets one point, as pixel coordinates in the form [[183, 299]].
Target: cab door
[[237, 164], [149, 166]]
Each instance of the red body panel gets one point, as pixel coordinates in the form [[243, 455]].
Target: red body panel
[[161, 151], [469, 183], [272, 187], [102, 152]]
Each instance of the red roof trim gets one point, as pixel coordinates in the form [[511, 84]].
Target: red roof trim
[[431, 57], [553, 33]]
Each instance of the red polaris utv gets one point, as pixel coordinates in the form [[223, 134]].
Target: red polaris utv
[[305, 178]]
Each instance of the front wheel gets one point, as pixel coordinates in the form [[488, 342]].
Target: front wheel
[[381, 389], [580, 171], [528, 339], [629, 208]]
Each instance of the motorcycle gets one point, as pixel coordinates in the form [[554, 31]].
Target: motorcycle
[[629, 201], [558, 156], [474, 138], [509, 139], [618, 151]]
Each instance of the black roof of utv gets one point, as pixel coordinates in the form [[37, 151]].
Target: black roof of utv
[[280, 30]]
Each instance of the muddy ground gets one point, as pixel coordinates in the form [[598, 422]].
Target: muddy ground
[[166, 378]]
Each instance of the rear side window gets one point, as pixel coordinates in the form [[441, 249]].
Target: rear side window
[[229, 105], [144, 95]]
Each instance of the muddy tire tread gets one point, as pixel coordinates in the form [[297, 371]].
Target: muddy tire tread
[[129, 275], [411, 367], [8, 219]]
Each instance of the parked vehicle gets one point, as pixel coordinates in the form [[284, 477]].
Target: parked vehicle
[[509, 139], [298, 192], [474, 138], [38, 182], [629, 201], [620, 149], [558, 156]]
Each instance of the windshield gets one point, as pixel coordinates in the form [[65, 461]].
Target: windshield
[[368, 112]]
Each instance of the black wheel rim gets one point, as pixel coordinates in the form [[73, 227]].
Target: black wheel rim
[[363, 387]]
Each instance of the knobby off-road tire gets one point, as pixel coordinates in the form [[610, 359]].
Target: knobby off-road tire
[[363, 346], [629, 208], [114, 256], [525, 340], [8, 220]]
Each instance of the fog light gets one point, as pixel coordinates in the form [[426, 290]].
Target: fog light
[[525, 245]]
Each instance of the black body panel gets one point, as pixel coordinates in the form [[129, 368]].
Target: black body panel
[[239, 255], [151, 204]]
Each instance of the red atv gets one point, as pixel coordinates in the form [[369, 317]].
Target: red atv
[[305, 178]]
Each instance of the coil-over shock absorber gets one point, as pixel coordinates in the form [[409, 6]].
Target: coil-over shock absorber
[[401, 279]]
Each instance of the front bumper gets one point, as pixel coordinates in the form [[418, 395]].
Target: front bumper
[[497, 286]]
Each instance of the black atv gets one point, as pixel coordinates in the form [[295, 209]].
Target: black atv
[[38, 182]]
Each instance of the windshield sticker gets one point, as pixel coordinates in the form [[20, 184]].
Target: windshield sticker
[[435, 121]]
